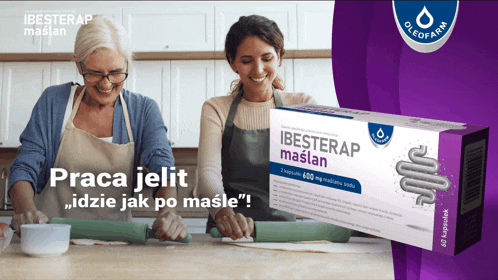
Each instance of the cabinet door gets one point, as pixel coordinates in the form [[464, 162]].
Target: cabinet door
[[314, 77], [152, 79], [16, 35], [286, 72], [314, 25], [172, 28], [280, 12], [224, 76], [62, 36], [192, 83], [22, 85], [64, 72]]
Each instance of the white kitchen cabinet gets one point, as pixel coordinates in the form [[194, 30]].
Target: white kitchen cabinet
[[224, 76], [314, 77], [63, 72], [192, 83], [13, 38], [284, 14], [153, 79], [314, 25], [186, 27], [167, 26], [65, 43], [22, 85], [286, 72]]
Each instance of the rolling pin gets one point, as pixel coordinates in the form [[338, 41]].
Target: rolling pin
[[111, 230], [294, 231]]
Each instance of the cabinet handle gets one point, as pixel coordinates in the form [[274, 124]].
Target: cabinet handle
[[167, 47]]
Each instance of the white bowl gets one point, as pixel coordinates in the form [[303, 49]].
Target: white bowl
[[5, 240], [45, 240]]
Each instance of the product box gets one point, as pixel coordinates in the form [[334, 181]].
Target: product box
[[412, 180]]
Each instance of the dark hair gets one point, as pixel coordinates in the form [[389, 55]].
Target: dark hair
[[262, 27]]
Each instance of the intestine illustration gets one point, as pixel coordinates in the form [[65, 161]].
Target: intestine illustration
[[420, 176]]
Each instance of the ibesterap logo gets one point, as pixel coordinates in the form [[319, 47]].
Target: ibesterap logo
[[425, 25], [52, 23]]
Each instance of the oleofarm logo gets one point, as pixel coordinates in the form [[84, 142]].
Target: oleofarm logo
[[380, 134], [425, 25]]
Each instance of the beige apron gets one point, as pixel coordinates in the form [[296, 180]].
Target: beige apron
[[81, 152]]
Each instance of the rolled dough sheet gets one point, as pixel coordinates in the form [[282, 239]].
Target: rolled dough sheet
[[96, 242], [356, 245]]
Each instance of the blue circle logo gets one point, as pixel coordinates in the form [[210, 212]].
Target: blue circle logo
[[425, 25]]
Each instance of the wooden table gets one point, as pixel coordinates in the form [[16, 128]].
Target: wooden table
[[203, 258]]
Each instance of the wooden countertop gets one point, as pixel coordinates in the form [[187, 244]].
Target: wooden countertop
[[203, 258]]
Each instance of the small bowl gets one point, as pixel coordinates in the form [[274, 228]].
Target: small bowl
[[5, 240], [45, 240]]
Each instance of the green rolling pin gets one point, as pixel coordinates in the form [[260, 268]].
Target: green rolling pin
[[111, 230], [294, 231]]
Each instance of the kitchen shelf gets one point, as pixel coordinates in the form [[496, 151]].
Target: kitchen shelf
[[38, 57]]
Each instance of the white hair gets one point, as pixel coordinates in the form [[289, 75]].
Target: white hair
[[102, 32]]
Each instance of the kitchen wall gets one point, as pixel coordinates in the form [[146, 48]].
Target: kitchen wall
[[179, 46], [179, 60]]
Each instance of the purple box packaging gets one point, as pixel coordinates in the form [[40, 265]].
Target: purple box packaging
[[413, 180]]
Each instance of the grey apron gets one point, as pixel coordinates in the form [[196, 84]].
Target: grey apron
[[245, 167]]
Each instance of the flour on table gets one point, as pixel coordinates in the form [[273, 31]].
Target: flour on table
[[356, 245], [96, 242]]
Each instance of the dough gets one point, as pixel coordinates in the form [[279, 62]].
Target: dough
[[96, 242], [356, 245]]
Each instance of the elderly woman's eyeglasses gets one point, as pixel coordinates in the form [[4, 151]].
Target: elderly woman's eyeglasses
[[96, 77]]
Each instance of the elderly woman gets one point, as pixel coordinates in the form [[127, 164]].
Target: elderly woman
[[96, 128], [233, 154]]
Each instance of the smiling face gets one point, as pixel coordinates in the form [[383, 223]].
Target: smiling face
[[104, 61], [256, 62]]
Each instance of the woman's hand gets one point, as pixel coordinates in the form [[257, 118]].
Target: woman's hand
[[169, 226], [29, 217], [21, 195], [233, 225]]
